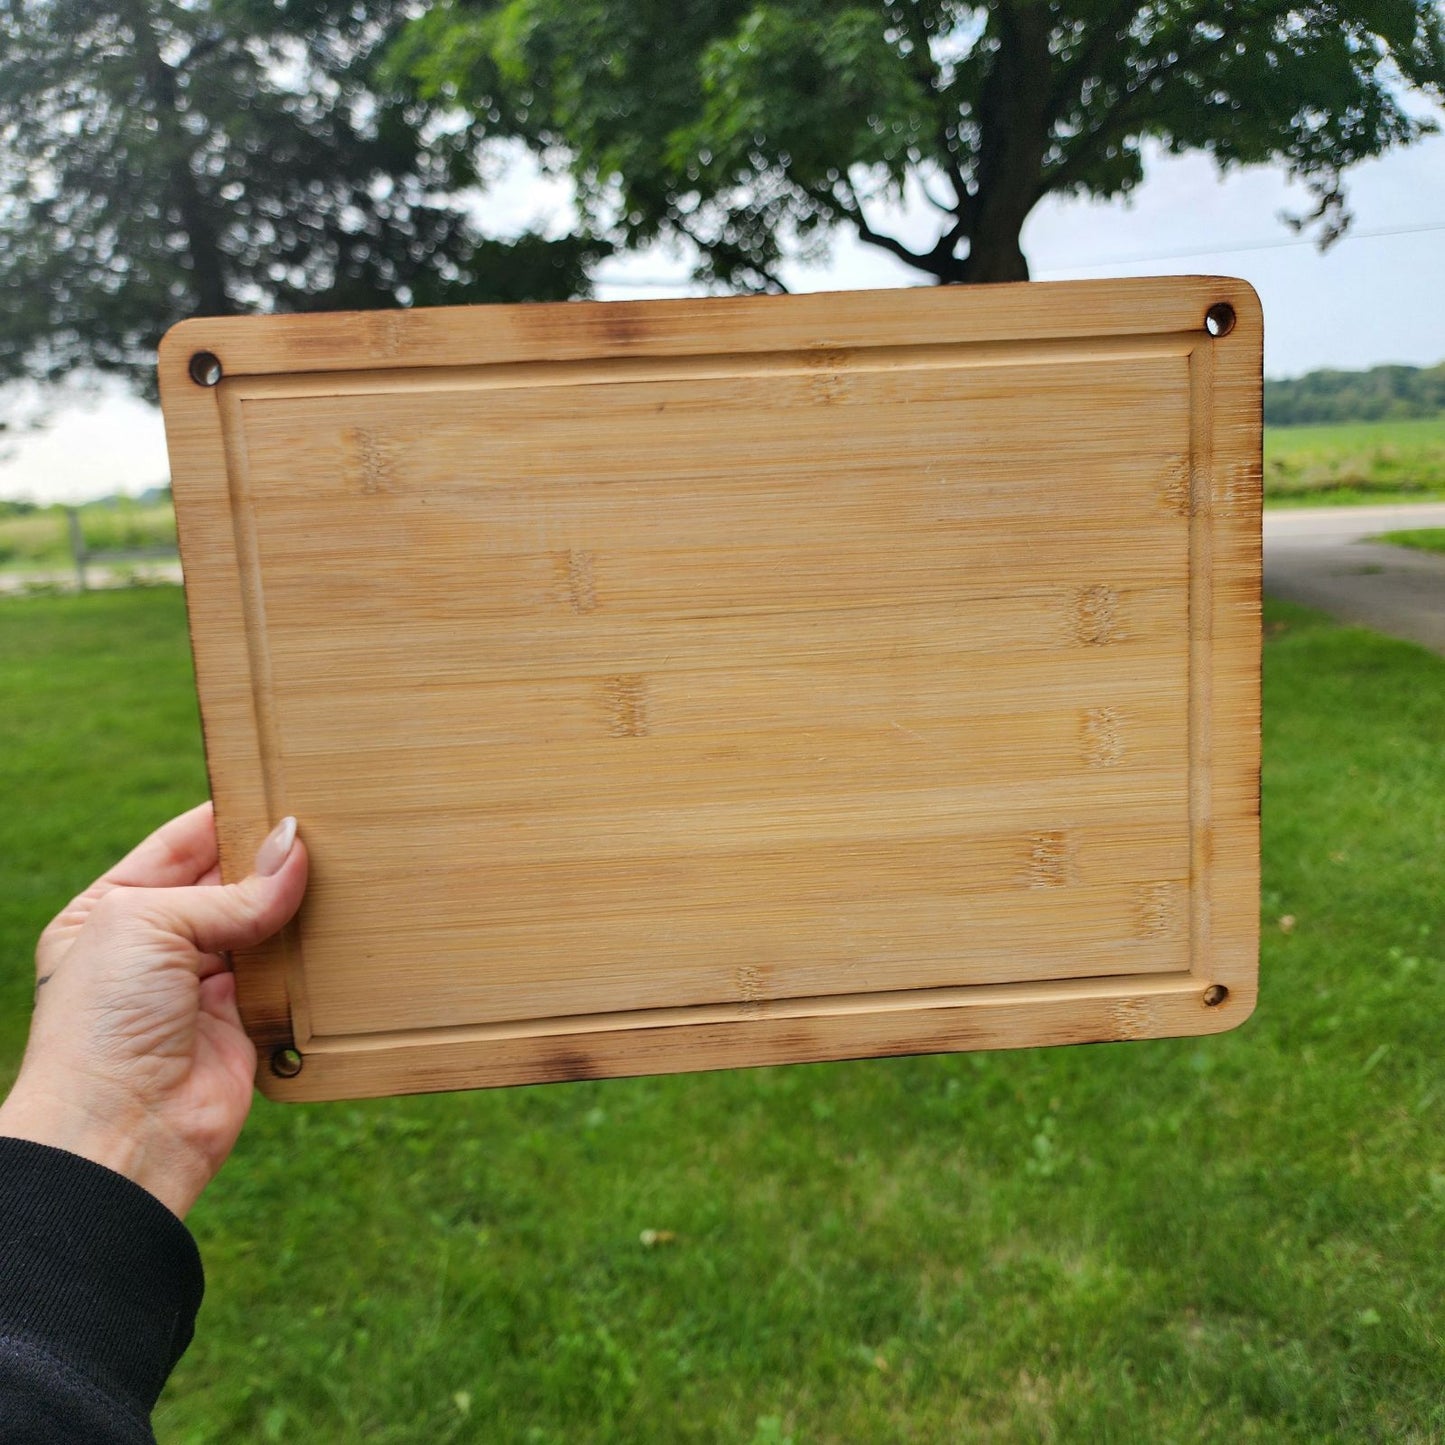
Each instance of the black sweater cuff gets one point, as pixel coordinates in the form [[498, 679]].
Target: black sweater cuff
[[94, 1270]]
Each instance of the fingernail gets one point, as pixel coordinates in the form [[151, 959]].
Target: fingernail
[[277, 848]]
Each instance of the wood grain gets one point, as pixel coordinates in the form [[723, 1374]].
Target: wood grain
[[695, 684]]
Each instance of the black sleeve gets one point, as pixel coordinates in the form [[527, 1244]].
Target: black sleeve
[[99, 1288]]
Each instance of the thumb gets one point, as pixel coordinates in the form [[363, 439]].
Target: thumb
[[221, 918]]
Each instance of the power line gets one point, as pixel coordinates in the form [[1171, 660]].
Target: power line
[[1377, 233], [1371, 235]]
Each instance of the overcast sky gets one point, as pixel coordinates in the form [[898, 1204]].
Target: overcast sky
[[1373, 298]]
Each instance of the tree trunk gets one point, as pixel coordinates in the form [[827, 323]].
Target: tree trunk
[[995, 254], [208, 272], [1014, 132]]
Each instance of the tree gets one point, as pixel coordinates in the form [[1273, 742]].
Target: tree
[[753, 128], [170, 158], [1383, 393]]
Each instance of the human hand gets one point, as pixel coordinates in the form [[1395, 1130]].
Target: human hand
[[137, 1059]]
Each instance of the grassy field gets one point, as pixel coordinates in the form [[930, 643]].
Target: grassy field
[[1229, 1240], [1398, 461], [40, 541], [1303, 466], [1422, 539]]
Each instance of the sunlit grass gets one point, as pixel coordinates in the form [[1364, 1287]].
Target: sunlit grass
[[1224, 1240], [1355, 462], [1421, 539]]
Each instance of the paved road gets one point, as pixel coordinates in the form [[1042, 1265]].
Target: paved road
[[97, 576], [1319, 557]]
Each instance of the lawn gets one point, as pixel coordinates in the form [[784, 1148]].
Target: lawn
[[1353, 462], [1230, 1240], [1421, 539]]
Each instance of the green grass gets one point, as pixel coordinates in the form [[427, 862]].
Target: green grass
[[1355, 462], [1340, 465], [40, 541], [1422, 539], [1225, 1240]]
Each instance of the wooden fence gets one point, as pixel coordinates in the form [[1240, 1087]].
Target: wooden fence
[[84, 557]]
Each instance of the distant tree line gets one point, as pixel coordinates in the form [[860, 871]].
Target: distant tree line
[[1384, 393]]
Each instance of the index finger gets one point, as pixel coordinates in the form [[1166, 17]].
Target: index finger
[[177, 855]]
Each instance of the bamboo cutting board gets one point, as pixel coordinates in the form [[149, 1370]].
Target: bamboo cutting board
[[689, 684]]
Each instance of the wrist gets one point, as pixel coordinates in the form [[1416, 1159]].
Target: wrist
[[128, 1143]]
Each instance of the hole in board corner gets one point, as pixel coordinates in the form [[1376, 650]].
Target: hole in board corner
[[205, 368], [1215, 995], [1219, 319], [286, 1063]]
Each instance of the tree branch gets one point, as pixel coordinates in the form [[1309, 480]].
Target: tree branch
[[208, 269], [780, 287], [852, 207], [770, 278], [200, 50], [942, 253], [1120, 117], [1104, 38], [921, 55], [934, 201]]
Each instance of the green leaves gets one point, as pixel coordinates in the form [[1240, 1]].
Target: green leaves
[[801, 91], [750, 131], [161, 159]]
